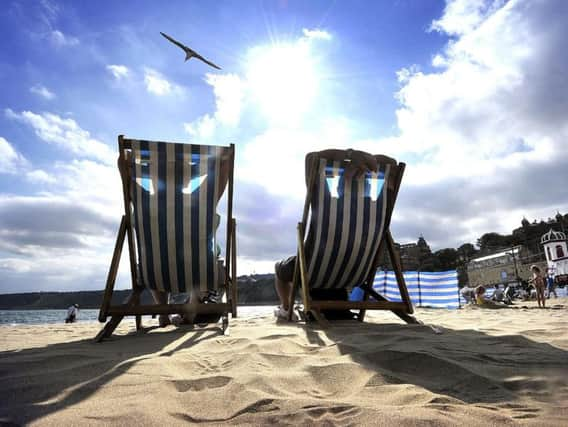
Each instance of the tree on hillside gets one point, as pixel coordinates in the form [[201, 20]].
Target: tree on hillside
[[494, 241], [446, 259], [466, 251]]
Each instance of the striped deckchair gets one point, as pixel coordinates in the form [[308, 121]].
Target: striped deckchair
[[171, 192], [348, 229]]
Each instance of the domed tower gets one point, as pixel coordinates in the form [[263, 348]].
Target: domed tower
[[556, 251]]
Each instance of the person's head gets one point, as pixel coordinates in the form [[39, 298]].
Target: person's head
[[480, 290], [76, 305], [535, 269], [496, 286]]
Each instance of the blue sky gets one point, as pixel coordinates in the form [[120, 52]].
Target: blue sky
[[471, 94]]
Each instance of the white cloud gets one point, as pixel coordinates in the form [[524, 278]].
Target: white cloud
[[281, 83], [316, 34], [38, 248], [202, 128], [156, 83], [10, 160], [118, 71], [40, 176], [61, 40], [487, 130], [42, 91], [477, 115], [66, 134], [229, 93], [463, 16]]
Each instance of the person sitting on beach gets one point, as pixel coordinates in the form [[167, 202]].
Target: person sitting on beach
[[498, 295], [468, 294], [485, 303], [361, 163], [72, 313], [538, 282], [509, 294]]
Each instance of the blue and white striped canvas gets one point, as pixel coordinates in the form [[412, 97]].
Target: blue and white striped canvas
[[346, 227], [174, 193], [437, 290]]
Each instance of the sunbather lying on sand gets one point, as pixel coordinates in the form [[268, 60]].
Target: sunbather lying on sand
[[485, 303]]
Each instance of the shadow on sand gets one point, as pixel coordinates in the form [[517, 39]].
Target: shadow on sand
[[468, 365], [24, 396]]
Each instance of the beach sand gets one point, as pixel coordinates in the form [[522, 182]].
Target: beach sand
[[488, 367]]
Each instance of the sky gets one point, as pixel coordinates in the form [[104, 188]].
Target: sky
[[472, 95]]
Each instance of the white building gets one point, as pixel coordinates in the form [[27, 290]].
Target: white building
[[556, 252]]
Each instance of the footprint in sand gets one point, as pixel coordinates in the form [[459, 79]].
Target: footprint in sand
[[184, 386], [339, 412], [263, 405]]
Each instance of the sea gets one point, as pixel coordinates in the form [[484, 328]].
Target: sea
[[40, 317]]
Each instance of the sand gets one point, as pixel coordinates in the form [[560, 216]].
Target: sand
[[488, 367]]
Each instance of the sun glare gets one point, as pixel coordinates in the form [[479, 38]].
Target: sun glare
[[283, 80]]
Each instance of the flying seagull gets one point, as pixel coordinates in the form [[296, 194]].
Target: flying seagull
[[190, 53]]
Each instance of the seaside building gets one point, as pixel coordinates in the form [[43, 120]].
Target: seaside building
[[529, 234], [512, 264], [412, 255], [503, 267], [556, 252]]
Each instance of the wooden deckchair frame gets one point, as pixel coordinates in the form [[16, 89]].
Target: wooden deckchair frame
[[402, 309], [132, 306]]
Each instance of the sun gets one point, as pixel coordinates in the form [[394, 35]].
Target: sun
[[283, 80]]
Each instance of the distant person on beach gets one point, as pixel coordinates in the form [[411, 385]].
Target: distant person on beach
[[72, 313], [361, 163], [538, 282], [468, 294], [551, 286], [498, 294], [509, 294]]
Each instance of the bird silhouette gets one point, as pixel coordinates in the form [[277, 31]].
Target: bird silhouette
[[190, 53]]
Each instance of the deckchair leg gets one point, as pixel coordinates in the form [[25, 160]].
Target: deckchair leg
[[407, 317], [403, 315], [111, 325], [291, 301], [234, 290], [320, 318], [138, 317], [111, 277], [225, 325], [301, 266], [292, 297], [397, 266], [109, 328], [362, 312]]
